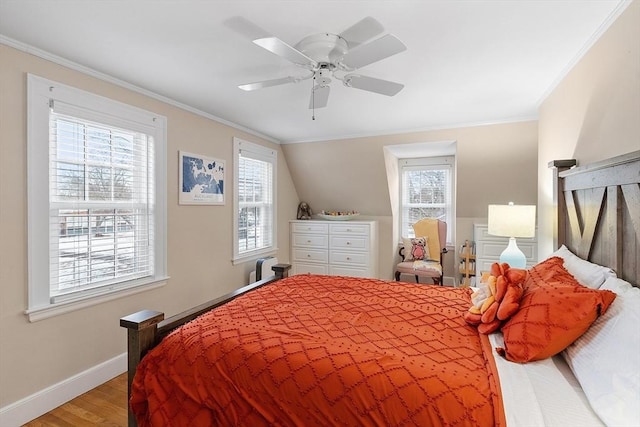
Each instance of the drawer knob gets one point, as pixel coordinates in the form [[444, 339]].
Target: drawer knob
[[308, 241], [348, 258], [348, 243], [308, 256]]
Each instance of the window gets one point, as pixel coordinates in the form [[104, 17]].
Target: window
[[96, 171], [255, 200], [426, 190]]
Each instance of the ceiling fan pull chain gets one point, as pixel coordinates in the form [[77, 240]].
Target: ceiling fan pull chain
[[313, 98]]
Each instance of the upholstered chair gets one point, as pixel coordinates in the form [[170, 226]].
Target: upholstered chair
[[430, 262]]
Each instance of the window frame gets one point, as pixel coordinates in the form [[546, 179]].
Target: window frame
[[266, 154], [428, 163], [42, 95]]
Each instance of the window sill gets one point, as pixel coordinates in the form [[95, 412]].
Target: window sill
[[41, 313], [252, 256]]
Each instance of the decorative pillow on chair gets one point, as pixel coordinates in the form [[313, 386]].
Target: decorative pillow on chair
[[430, 228], [554, 311], [416, 248]]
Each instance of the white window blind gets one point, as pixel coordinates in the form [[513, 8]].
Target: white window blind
[[97, 197], [426, 192], [254, 199], [101, 198]]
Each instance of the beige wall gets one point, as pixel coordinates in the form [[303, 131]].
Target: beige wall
[[36, 355], [594, 113], [495, 164]]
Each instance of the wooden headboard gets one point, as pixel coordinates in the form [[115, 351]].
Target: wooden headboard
[[598, 212]]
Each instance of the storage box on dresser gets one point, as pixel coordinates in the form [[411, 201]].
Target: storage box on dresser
[[489, 248], [337, 248]]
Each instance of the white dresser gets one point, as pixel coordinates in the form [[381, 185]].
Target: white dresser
[[337, 248], [489, 248]]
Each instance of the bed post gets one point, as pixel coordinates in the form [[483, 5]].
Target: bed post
[[281, 270], [559, 223], [141, 336]]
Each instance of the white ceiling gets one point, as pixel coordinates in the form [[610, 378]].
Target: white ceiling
[[467, 62]]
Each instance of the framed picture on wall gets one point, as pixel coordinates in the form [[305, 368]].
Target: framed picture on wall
[[201, 180]]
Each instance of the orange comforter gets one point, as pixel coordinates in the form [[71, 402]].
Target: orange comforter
[[324, 350]]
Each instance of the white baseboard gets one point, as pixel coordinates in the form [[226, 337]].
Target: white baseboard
[[43, 401]]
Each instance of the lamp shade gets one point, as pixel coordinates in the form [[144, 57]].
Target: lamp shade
[[512, 220]]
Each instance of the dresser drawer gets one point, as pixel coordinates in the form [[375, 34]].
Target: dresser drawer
[[350, 258], [484, 265], [304, 268], [310, 240], [349, 271], [481, 233], [361, 229], [356, 243], [310, 227], [490, 249], [308, 255]]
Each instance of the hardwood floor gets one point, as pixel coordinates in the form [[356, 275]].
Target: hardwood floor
[[105, 405]]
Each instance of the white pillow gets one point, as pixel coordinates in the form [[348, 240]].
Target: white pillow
[[586, 273], [606, 359]]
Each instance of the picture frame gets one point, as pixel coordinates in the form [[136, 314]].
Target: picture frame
[[201, 180]]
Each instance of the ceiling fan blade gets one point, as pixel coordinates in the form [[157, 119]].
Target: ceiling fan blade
[[383, 87], [267, 83], [246, 28], [280, 48], [319, 97], [373, 51], [362, 31]]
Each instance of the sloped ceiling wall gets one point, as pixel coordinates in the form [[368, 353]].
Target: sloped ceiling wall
[[495, 163], [340, 175]]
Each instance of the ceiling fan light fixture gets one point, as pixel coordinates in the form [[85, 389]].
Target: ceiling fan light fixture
[[324, 47], [321, 79], [319, 97]]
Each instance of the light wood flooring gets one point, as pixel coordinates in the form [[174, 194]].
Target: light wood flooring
[[105, 405]]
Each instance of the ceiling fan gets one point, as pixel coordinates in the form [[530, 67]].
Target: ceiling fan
[[327, 55]]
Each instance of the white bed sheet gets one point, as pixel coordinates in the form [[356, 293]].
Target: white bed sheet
[[544, 393]]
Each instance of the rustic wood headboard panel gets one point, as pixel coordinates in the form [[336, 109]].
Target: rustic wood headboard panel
[[598, 212]]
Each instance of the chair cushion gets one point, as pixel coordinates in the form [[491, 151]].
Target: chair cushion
[[420, 268], [425, 266]]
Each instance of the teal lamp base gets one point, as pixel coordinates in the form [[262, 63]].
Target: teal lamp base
[[513, 255]]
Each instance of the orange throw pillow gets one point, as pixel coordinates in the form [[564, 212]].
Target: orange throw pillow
[[554, 311]]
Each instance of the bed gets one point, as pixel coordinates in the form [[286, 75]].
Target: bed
[[327, 350]]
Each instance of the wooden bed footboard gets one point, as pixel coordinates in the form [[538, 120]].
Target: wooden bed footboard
[[146, 328]]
